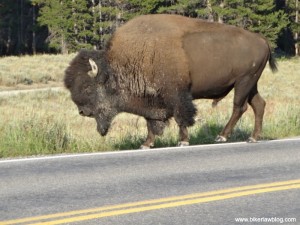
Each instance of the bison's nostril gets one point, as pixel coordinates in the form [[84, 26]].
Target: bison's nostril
[[81, 112]]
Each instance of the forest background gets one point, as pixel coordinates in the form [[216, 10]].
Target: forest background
[[65, 26]]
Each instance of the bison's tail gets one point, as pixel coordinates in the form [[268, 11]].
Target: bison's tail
[[272, 62]]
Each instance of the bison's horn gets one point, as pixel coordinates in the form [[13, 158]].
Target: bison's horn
[[94, 66]]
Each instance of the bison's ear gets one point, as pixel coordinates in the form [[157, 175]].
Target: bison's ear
[[95, 70]]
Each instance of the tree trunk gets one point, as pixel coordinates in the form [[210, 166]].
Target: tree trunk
[[8, 42], [100, 25], [33, 30], [296, 35], [75, 27], [220, 17], [210, 15], [20, 27], [110, 19], [94, 24], [64, 47]]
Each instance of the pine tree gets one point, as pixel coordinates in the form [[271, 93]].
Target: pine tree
[[107, 16], [206, 10], [258, 16], [81, 21], [265, 19], [56, 15], [140, 7], [76, 24], [181, 7], [16, 27], [7, 24], [292, 8]]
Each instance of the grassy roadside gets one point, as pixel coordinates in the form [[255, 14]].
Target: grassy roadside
[[48, 122], [28, 72]]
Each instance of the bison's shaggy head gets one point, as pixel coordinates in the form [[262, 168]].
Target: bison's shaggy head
[[85, 78]]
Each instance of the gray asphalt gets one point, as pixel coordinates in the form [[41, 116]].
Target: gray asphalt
[[41, 186]]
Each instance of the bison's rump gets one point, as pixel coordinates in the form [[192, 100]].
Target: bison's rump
[[217, 57]]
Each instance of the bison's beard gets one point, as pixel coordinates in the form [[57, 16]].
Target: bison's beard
[[102, 125]]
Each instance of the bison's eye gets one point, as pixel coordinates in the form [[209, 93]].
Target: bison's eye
[[81, 99]]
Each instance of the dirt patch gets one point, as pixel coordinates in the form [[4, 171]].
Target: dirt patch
[[31, 86], [8, 93]]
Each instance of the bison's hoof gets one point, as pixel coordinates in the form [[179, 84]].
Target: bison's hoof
[[220, 139], [183, 143], [144, 147], [251, 140]]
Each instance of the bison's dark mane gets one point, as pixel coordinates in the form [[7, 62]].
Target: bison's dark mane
[[80, 66]]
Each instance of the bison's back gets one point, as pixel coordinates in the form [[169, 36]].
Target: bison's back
[[149, 48], [160, 24]]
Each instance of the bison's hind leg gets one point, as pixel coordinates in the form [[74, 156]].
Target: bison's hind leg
[[242, 89], [238, 111], [258, 105], [245, 91]]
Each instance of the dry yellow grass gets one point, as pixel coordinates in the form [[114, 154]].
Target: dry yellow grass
[[32, 71]]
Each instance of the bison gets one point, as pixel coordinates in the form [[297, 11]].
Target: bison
[[155, 65]]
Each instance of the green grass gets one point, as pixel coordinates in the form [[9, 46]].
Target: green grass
[[35, 137], [48, 122]]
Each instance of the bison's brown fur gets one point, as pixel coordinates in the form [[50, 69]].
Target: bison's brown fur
[[155, 65], [141, 50]]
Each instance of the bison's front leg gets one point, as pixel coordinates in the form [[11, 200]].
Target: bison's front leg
[[184, 112], [155, 127], [184, 136]]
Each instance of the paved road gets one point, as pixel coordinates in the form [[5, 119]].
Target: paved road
[[214, 184]]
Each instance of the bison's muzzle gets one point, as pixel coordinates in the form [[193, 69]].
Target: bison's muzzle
[[85, 112], [102, 125]]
